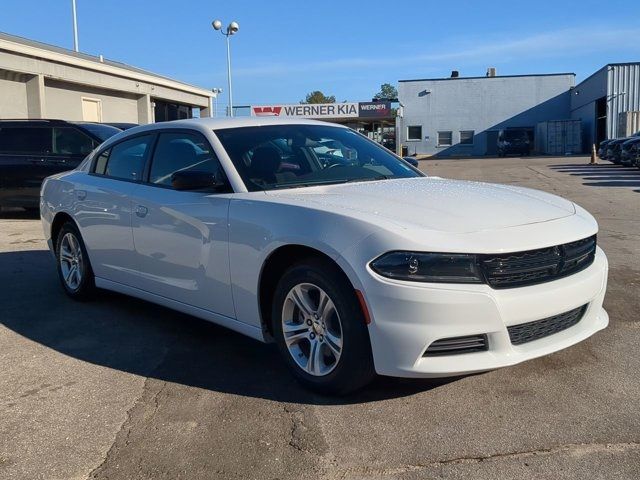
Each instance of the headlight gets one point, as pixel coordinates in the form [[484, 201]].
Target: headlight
[[428, 267]]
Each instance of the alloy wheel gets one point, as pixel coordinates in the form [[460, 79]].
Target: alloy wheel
[[71, 261], [312, 329]]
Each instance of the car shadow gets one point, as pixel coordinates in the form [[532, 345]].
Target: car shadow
[[604, 174], [134, 336], [19, 214]]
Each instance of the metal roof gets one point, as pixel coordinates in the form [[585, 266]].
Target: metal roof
[[620, 64]]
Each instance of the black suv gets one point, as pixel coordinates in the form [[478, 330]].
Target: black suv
[[31, 150]]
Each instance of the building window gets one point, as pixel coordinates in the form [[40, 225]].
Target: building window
[[414, 133], [466, 137], [445, 139]]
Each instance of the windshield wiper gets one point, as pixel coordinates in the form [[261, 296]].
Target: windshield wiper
[[306, 184], [329, 182], [369, 179]]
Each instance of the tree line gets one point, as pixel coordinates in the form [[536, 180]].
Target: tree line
[[387, 92]]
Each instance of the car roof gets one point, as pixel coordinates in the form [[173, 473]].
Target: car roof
[[43, 121], [234, 122]]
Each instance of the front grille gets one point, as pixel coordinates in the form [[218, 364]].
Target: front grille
[[457, 345], [538, 266], [528, 332]]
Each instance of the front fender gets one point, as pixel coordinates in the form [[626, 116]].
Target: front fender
[[257, 229]]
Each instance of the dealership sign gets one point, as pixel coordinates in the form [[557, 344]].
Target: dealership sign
[[324, 110], [374, 109]]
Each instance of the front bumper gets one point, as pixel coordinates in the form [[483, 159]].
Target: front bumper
[[407, 317]]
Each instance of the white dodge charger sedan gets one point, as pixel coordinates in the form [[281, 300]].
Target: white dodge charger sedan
[[350, 259]]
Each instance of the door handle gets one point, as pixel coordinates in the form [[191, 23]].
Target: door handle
[[81, 194], [141, 211]]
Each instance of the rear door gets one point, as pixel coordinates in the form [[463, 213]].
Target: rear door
[[103, 208], [69, 147], [24, 151], [181, 237]]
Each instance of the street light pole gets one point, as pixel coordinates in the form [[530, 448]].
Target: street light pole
[[232, 29], [229, 78], [75, 25]]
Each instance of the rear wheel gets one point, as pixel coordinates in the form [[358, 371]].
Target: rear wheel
[[74, 269], [320, 329]]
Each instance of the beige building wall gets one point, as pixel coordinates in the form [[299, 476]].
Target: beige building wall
[[13, 95], [64, 100], [44, 81]]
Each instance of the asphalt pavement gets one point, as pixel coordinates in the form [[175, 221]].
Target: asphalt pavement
[[118, 388]]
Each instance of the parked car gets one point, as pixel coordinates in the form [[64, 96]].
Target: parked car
[[31, 150], [122, 125], [614, 149], [351, 268], [513, 142], [412, 160], [627, 156], [634, 153], [602, 148]]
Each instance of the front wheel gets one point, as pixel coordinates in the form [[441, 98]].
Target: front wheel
[[73, 264], [320, 329]]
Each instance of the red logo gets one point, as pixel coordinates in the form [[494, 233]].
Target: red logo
[[267, 111]]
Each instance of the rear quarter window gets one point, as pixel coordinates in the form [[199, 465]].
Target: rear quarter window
[[125, 160]]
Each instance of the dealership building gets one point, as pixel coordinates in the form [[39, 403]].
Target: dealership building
[[460, 116], [463, 116], [43, 81], [604, 100]]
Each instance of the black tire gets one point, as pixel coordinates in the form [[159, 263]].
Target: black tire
[[354, 367], [85, 287]]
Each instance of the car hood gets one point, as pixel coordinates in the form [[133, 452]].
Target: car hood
[[433, 203]]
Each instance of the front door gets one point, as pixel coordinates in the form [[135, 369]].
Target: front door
[[24, 164], [181, 237]]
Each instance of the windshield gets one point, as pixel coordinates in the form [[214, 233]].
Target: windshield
[[101, 131], [287, 156]]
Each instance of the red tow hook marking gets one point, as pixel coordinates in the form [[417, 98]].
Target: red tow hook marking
[[363, 306]]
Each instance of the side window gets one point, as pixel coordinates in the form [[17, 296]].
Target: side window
[[124, 160], [69, 141], [25, 140], [101, 162], [179, 152]]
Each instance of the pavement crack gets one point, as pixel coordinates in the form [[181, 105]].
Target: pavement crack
[[134, 414], [571, 448], [296, 418]]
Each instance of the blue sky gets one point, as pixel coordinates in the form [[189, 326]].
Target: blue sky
[[346, 48]]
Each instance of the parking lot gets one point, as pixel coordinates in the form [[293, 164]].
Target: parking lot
[[119, 388]]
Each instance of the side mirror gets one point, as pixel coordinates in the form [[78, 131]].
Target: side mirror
[[198, 180], [412, 161]]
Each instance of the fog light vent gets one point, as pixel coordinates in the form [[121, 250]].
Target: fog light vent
[[458, 345]]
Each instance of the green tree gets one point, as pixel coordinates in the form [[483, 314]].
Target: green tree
[[387, 92], [318, 97]]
